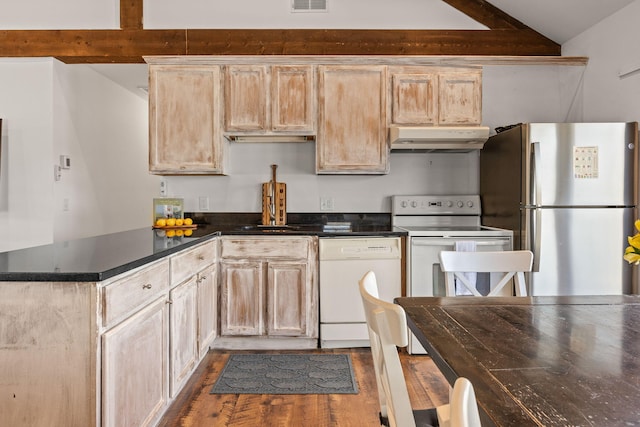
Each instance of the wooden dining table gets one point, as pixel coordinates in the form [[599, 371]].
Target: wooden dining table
[[538, 361]]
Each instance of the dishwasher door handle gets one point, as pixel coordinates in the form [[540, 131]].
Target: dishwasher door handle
[[445, 242]]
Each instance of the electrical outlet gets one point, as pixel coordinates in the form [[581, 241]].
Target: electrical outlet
[[203, 203], [326, 203], [65, 205], [163, 188]]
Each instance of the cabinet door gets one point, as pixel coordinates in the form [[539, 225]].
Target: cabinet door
[[134, 368], [287, 297], [292, 107], [183, 330], [352, 127], [415, 99], [207, 308], [245, 95], [242, 298], [460, 98], [185, 120]]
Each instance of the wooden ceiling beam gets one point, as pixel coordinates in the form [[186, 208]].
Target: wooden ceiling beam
[[131, 14], [97, 46], [130, 45], [486, 14], [506, 37], [368, 42]]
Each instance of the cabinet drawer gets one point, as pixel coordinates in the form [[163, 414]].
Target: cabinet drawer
[[187, 263], [124, 295], [266, 247]]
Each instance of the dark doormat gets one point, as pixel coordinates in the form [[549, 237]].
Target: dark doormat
[[287, 374]]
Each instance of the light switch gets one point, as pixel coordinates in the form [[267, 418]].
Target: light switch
[[65, 162]]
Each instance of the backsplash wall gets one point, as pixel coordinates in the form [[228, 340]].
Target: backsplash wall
[[240, 191]]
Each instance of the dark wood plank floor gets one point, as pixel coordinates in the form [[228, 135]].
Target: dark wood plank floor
[[196, 407]]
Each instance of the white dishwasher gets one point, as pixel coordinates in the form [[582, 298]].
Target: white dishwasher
[[343, 262]]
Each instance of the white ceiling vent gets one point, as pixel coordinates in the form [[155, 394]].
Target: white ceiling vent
[[308, 5]]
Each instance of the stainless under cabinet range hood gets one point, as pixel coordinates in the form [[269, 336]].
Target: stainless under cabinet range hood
[[433, 138]]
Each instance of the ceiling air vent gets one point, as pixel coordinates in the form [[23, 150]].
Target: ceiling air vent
[[309, 5]]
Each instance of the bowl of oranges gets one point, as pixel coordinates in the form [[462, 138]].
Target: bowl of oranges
[[175, 227]]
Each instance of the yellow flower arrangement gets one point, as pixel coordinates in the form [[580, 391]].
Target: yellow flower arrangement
[[632, 253]]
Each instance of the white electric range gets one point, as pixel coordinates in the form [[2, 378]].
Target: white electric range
[[437, 223]]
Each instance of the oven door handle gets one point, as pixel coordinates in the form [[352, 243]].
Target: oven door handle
[[441, 242]]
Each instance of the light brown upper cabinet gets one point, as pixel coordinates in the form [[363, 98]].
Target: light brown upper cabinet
[[352, 120], [245, 97], [185, 120], [414, 97], [435, 96], [269, 99], [292, 98]]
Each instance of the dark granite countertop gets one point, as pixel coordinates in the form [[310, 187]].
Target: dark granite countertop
[[94, 259], [91, 259]]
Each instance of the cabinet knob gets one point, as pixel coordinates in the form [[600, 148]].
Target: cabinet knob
[[169, 301], [147, 286], [200, 257], [203, 277]]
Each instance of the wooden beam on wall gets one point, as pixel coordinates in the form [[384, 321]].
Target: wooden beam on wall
[[130, 45], [506, 37], [368, 42], [131, 14], [92, 46]]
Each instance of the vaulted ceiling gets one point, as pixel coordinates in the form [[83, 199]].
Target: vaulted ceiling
[[561, 20], [506, 37]]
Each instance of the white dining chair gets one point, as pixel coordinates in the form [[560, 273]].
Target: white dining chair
[[506, 264], [387, 324]]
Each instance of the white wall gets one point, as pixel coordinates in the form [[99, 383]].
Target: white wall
[[60, 15], [250, 166], [26, 172], [351, 14], [104, 129], [612, 48], [105, 14], [48, 109]]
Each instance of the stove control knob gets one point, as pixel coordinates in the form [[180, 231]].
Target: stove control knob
[[470, 203], [403, 203], [460, 204], [449, 203], [414, 204]]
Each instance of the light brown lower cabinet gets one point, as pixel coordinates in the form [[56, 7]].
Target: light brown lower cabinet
[[207, 308], [287, 302], [183, 329], [242, 301], [135, 357], [111, 353], [268, 293]]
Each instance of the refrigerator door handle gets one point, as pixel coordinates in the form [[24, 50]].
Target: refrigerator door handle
[[536, 223], [536, 181]]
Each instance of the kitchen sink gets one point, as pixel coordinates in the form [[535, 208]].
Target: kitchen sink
[[280, 228]]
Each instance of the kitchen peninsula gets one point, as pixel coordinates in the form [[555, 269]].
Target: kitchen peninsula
[[106, 330]]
